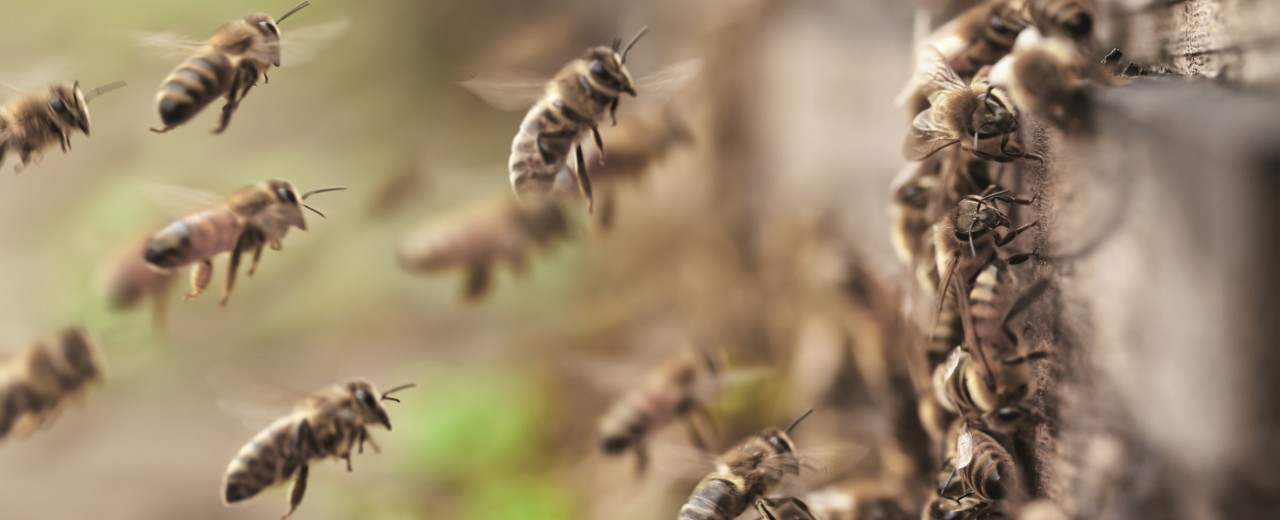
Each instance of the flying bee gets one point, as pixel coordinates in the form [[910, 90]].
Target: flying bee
[[480, 238], [328, 424], [36, 383], [129, 280], [568, 107], [33, 121], [974, 115], [676, 390], [252, 218], [998, 396], [784, 508], [743, 475], [229, 64], [1070, 18], [975, 38]]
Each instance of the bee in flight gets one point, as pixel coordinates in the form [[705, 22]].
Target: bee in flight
[[251, 219], [36, 120], [568, 107], [743, 475], [36, 383], [328, 424], [229, 64], [675, 390], [480, 238]]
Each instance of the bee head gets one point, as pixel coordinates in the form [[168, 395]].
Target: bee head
[[915, 194], [607, 73], [778, 440], [364, 398], [69, 107], [286, 195], [270, 32], [974, 215], [991, 115]]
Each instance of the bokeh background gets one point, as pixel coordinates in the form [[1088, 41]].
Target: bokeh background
[[766, 236]]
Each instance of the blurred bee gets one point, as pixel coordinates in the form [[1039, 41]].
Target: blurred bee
[[571, 105], [977, 37], [252, 218], [973, 115], [129, 280], [912, 210], [676, 390], [743, 475], [1046, 78], [36, 120], [479, 238], [860, 500], [1070, 18], [988, 475], [997, 396], [328, 424], [36, 383], [784, 508], [229, 64]]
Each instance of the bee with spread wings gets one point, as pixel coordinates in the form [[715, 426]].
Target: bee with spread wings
[[568, 107], [970, 115]]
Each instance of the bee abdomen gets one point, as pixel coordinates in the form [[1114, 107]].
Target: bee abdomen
[[715, 499], [264, 462], [198, 81]]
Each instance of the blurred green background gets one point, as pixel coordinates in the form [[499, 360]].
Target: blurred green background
[[502, 423]]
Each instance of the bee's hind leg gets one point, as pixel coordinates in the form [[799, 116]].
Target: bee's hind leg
[[296, 490], [234, 95], [599, 142], [200, 276], [584, 182]]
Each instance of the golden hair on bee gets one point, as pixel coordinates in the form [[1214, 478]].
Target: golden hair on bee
[[479, 238], [38, 382], [250, 219], [977, 37], [229, 64], [327, 425], [1070, 18], [744, 474], [1048, 77], [33, 121]]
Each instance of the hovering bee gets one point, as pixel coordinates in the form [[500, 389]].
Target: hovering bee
[[252, 218], [675, 390], [571, 104], [36, 383], [999, 396], [975, 38], [480, 238], [784, 508], [743, 475], [328, 424], [973, 115], [229, 64], [1070, 18], [35, 120], [129, 280]]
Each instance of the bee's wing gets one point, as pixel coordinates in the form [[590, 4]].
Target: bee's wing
[[681, 462], [657, 88], [169, 45], [964, 449], [254, 403], [301, 45], [511, 90], [926, 137], [178, 200]]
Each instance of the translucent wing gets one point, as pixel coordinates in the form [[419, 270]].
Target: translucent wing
[[169, 44], [926, 137], [953, 362], [254, 403], [936, 77], [658, 87], [512, 89], [964, 449], [927, 56], [178, 200], [301, 45]]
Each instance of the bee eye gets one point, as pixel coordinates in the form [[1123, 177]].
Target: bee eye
[[57, 105], [286, 195], [1008, 415], [597, 69]]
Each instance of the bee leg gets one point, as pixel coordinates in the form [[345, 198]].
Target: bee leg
[[696, 436], [296, 490], [248, 239], [233, 101], [599, 142], [584, 182], [613, 111], [642, 459], [765, 514], [200, 276], [478, 278], [1002, 240], [257, 255], [372, 443], [276, 245], [347, 456]]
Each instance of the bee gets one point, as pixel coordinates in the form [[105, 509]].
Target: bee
[[229, 64], [635, 146], [993, 303], [784, 508], [1045, 77], [481, 237], [674, 391], [974, 115], [912, 210], [35, 120], [36, 383], [743, 475], [860, 500], [252, 218], [988, 476], [977, 37], [129, 280], [569, 106], [328, 424], [998, 397], [1071, 18]]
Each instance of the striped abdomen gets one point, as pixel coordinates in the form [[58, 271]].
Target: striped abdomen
[[201, 79], [714, 499], [948, 332], [270, 458], [997, 27], [541, 148], [985, 307], [197, 237], [958, 390], [35, 384], [639, 413], [991, 474]]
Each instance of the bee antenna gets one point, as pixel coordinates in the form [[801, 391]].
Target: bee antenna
[[88, 96], [643, 31], [322, 190], [314, 210], [797, 421], [617, 44], [295, 9], [386, 396]]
